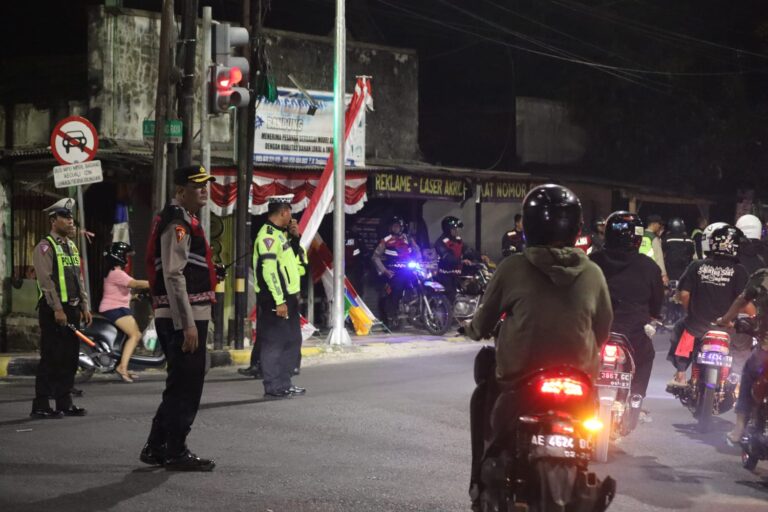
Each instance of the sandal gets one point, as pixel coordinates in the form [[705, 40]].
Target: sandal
[[731, 442], [126, 377]]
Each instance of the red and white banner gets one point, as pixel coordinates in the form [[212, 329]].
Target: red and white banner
[[303, 184]]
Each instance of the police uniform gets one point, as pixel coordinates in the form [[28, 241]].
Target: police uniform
[[651, 247], [393, 254], [451, 251], [60, 281], [512, 242], [278, 264], [182, 279]]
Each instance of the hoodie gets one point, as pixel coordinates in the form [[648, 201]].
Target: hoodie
[[558, 312], [634, 282]]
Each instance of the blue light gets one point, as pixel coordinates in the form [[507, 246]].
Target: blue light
[[413, 264]]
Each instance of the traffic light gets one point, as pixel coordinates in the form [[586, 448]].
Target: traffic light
[[228, 71]]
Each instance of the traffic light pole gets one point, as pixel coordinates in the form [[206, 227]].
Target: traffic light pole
[[161, 107], [187, 87]]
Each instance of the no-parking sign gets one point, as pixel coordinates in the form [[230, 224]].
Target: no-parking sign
[[74, 140]]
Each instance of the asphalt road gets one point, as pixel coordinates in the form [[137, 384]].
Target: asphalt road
[[370, 435]]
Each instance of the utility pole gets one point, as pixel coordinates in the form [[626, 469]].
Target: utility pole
[[245, 134], [161, 107], [186, 87]]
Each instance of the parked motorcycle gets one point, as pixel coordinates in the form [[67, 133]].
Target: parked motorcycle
[[539, 460], [471, 289], [619, 408], [711, 389], [102, 342], [423, 302]]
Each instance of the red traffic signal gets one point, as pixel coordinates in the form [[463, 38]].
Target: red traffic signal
[[226, 78], [224, 94]]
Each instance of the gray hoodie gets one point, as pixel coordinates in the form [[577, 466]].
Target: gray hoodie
[[558, 311]]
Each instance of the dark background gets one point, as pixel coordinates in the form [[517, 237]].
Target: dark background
[[671, 93]]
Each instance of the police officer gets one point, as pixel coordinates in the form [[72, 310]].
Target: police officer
[[452, 254], [355, 257], [391, 259], [182, 280], [278, 264], [63, 301], [513, 241], [598, 234], [697, 235], [651, 244], [678, 249]]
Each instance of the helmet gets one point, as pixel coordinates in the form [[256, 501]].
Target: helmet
[[750, 226], [623, 230], [676, 227], [396, 220], [551, 216], [597, 222], [449, 223], [118, 252], [724, 241], [707, 233]]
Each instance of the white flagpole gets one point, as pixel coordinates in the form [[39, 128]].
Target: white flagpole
[[339, 335]]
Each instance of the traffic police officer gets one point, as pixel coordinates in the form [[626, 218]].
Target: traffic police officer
[[651, 244], [513, 241], [182, 279], [63, 301], [278, 264], [453, 254]]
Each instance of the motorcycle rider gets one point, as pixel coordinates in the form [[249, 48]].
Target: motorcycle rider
[[634, 281], [390, 259], [756, 293], [549, 280], [452, 254], [752, 250], [651, 244], [678, 249], [513, 241], [707, 289]]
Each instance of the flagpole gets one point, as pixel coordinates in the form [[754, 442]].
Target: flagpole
[[339, 335]]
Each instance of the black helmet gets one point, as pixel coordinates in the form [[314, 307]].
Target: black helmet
[[724, 241], [396, 220], [551, 216], [676, 227], [118, 252], [450, 223], [623, 230]]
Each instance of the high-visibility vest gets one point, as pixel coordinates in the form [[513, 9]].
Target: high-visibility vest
[[63, 260], [646, 246]]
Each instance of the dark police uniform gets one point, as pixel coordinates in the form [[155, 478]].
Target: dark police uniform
[[57, 266], [182, 279], [512, 242], [278, 263], [393, 253], [451, 251]]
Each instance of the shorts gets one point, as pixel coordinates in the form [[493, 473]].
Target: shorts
[[113, 315]]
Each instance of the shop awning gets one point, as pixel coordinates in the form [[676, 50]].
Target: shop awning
[[223, 193]]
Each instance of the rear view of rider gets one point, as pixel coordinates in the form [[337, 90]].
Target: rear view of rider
[[556, 301], [634, 281], [453, 254], [706, 290], [752, 251], [678, 249], [391, 259]]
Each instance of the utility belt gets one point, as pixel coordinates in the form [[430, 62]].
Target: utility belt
[[453, 272], [397, 265], [195, 299]]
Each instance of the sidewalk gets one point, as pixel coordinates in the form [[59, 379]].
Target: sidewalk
[[377, 345]]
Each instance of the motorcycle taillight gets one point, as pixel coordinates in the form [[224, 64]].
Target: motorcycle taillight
[[610, 355], [561, 387]]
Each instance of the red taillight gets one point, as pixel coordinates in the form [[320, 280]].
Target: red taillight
[[610, 355], [564, 386]]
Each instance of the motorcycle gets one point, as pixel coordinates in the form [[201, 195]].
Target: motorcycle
[[102, 342], [538, 461], [619, 408], [711, 390], [754, 442], [423, 302], [471, 289]]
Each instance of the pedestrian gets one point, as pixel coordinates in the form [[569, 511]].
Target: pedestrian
[[278, 264], [182, 280], [63, 301], [116, 302]]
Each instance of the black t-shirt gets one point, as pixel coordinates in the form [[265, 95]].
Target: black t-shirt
[[714, 283]]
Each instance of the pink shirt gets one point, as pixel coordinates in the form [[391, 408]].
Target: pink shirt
[[117, 294]]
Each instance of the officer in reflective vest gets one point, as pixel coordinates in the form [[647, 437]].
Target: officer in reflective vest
[[651, 244], [63, 301], [278, 264], [453, 254]]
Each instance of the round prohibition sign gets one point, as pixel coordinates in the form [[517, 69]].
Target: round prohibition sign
[[74, 140]]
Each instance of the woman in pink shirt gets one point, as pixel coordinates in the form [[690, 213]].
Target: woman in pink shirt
[[116, 302]]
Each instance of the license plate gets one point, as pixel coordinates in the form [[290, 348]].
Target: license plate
[[556, 445], [714, 359], [614, 379]]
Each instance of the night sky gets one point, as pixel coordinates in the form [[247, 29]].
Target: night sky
[[671, 93]]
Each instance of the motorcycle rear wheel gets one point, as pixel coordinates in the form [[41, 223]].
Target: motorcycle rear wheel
[[705, 411]]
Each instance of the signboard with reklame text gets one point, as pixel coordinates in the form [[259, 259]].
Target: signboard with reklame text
[[386, 184]]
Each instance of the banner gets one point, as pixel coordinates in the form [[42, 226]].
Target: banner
[[291, 131], [392, 184], [504, 191]]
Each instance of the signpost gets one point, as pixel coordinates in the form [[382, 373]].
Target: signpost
[[74, 143], [173, 130]]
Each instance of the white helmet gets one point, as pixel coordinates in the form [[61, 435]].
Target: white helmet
[[707, 234], [750, 226]]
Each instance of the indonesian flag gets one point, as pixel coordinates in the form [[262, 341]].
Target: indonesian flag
[[320, 256]]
